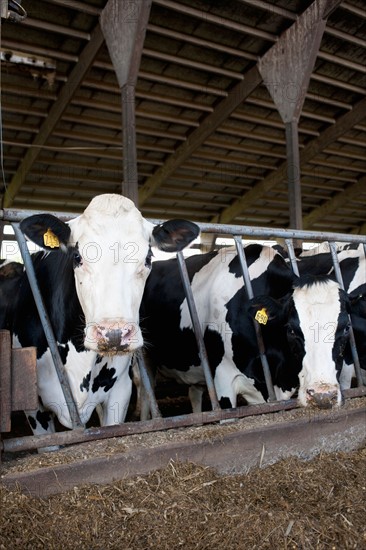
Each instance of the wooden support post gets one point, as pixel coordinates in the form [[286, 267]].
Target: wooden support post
[[286, 70], [293, 174], [124, 26]]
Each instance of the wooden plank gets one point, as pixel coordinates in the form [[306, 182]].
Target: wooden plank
[[5, 381], [24, 395], [232, 453]]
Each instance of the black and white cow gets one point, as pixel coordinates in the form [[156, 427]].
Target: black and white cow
[[352, 262], [92, 279], [305, 328]]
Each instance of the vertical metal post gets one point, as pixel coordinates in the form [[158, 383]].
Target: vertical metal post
[[338, 274], [291, 255], [46, 324], [197, 331], [258, 332], [146, 383]]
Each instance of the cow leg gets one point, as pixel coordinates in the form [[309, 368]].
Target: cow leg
[[42, 422], [116, 399], [195, 395], [347, 373]]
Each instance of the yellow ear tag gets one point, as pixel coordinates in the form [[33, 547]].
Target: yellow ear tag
[[261, 316], [50, 239]]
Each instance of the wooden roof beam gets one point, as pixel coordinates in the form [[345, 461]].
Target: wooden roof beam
[[78, 73], [316, 146], [336, 202], [251, 80]]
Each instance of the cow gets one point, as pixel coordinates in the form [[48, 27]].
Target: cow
[[352, 263], [295, 314], [91, 273]]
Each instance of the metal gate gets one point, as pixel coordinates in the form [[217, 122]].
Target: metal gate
[[79, 434]]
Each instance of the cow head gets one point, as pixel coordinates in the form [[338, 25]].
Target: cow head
[[110, 244], [316, 325]]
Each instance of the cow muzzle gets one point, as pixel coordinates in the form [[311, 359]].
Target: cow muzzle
[[111, 338], [323, 396]]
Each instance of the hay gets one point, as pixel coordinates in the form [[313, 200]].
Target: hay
[[318, 504]]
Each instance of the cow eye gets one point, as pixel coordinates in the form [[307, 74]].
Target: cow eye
[[148, 258], [77, 259], [347, 328]]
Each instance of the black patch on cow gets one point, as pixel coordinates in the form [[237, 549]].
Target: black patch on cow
[[85, 384], [252, 253], [174, 235], [341, 335], [310, 280], [55, 276], [166, 343], [63, 351], [99, 359], [225, 403], [105, 379], [43, 417], [214, 346]]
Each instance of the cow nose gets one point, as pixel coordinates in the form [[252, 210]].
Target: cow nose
[[114, 337], [323, 400]]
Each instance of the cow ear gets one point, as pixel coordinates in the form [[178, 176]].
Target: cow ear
[[265, 309], [46, 231], [174, 235]]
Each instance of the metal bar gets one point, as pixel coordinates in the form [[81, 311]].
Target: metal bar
[[146, 382], [338, 274], [46, 324], [197, 331], [258, 332], [16, 215], [129, 428], [291, 255]]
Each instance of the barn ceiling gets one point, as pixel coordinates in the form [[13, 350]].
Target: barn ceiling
[[203, 151]]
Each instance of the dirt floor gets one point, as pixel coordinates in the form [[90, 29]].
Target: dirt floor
[[293, 504], [319, 504]]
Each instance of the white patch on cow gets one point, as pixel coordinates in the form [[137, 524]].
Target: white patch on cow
[[360, 273], [213, 286], [77, 366], [113, 241], [318, 308], [347, 373], [230, 382], [282, 395], [192, 376]]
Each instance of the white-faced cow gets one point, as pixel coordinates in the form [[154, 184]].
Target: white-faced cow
[[92, 279], [352, 262], [305, 328]]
